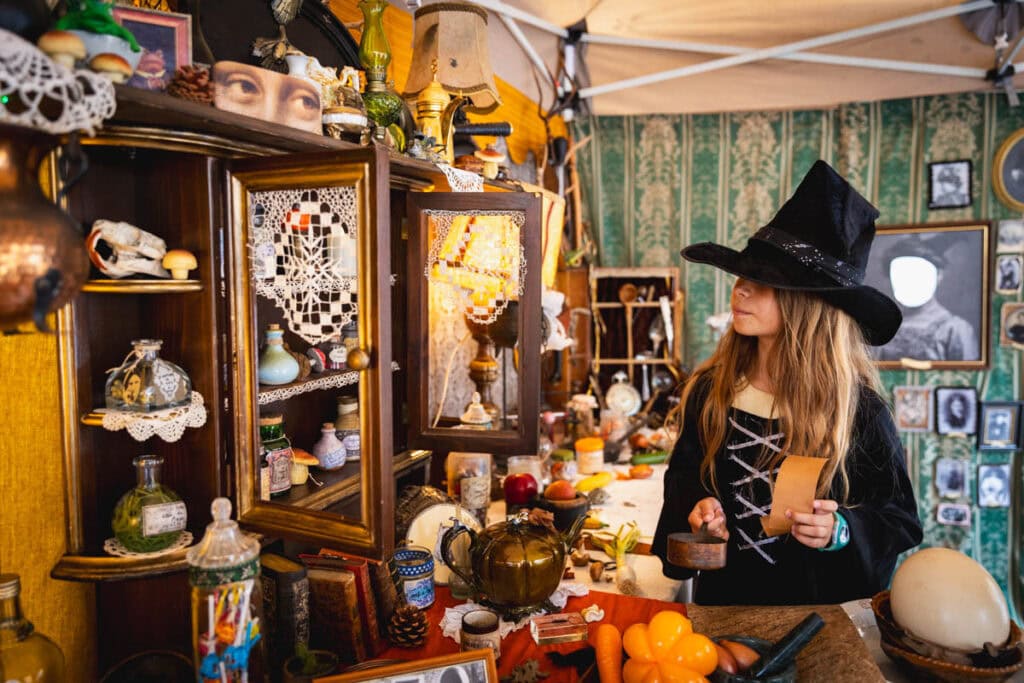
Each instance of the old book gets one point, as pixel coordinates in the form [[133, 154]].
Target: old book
[[285, 606], [334, 612], [367, 603]]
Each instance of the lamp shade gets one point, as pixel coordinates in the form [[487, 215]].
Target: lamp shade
[[455, 35]]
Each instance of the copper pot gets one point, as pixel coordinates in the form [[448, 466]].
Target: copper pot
[[516, 566], [42, 258]]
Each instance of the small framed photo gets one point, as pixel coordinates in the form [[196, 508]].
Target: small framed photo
[[1010, 236], [1011, 324], [166, 42], [950, 477], [1008, 269], [999, 422], [949, 184], [956, 410], [913, 408], [994, 486], [953, 514], [472, 666]]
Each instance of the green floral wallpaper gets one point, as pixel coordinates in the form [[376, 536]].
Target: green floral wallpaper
[[653, 184]]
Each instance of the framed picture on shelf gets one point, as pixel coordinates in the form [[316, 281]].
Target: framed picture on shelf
[[1008, 270], [1011, 324], [939, 277], [956, 410], [950, 477], [1000, 425], [913, 408], [953, 514], [166, 42], [473, 666], [1011, 236], [1008, 171], [949, 184], [994, 486]]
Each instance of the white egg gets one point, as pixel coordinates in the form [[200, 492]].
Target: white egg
[[946, 598]]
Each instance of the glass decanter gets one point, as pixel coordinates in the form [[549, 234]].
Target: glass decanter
[[382, 105], [145, 382], [224, 569], [151, 516], [25, 655]]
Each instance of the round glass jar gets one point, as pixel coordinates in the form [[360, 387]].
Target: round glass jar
[[144, 382]]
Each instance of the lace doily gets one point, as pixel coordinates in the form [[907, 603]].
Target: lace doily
[[483, 261], [302, 247], [326, 382], [169, 424], [112, 546], [451, 622], [36, 92], [462, 181]]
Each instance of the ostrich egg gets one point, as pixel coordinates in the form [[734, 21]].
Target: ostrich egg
[[946, 598]]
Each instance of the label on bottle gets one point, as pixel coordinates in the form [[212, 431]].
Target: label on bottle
[[338, 356], [265, 482], [475, 491], [163, 518], [419, 592], [352, 444], [333, 460], [280, 461]]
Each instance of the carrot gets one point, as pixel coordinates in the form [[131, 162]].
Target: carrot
[[608, 653]]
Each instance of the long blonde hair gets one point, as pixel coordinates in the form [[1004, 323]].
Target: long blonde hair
[[819, 364]]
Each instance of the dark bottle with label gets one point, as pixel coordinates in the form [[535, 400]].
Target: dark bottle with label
[[277, 454]]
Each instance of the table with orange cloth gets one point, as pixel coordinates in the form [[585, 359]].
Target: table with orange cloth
[[518, 646]]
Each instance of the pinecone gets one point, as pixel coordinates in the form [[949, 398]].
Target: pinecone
[[192, 83], [408, 626]]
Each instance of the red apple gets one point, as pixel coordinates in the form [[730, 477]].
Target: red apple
[[520, 488]]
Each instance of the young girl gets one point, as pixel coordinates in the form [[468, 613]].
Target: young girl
[[793, 376]]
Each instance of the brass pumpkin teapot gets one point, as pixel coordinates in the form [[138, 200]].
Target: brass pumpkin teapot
[[515, 565]]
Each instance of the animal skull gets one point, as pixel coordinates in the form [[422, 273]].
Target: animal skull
[[121, 249]]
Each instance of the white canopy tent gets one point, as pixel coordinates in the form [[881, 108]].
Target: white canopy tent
[[647, 56]]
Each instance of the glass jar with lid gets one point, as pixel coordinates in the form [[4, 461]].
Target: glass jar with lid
[[277, 453], [347, 426], [145, 382]]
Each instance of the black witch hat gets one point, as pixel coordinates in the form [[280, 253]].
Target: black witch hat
[[818, 242]]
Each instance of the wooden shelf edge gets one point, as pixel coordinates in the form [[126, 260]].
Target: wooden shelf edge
[[103, 286], [332, 379], [94, 569]]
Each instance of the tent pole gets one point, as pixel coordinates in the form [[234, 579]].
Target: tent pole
[[788, 48]]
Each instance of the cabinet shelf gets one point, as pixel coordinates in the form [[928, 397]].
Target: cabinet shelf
[[332, 379], [99, 568], [139, 286]]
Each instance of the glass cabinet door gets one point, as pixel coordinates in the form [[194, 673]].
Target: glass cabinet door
[[474, 321], [309, 254]]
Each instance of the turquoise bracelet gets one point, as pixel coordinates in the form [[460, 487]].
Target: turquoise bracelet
[[840, 534]]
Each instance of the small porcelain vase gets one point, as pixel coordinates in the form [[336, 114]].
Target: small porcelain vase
[[329, 450], [276, 365]]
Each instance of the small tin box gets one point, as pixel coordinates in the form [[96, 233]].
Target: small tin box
[[558, 628]]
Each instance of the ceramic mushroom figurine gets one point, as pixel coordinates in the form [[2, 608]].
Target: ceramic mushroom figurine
[[491, 158], [179, 262], [112, 67], [63, 47]]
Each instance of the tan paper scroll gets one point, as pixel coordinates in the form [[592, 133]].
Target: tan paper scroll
[[795, 487]]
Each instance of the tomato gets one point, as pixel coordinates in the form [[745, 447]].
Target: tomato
[[637, 644], [697, 652], [636, 671], [672, 672], [664, 630]]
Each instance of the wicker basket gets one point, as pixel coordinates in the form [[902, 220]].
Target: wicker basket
[[893, 646]]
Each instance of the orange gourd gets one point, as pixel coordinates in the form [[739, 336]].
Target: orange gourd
[[666, 650]]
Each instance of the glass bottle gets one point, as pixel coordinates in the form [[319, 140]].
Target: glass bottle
[[277, 453], [145, 382], [329, 450], [382, 105], [26, 656], [226, 599], [151, 516], [347, 426], [276, 365]]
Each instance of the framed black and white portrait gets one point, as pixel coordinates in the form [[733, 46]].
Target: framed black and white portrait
[[913, 408], [1011, 324], [1010, 238], [994, 486], [1008, 171], [956, 410], [939, 277], [950, 477], [472, 666], [953, 514], [999, 425], [949, 184], [1008, 269]]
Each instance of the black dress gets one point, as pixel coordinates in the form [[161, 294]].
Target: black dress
[[881, 511]]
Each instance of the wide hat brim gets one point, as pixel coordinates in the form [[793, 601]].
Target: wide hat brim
[[878, 316]]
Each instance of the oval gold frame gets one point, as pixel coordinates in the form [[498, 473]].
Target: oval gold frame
[[1009, 143]]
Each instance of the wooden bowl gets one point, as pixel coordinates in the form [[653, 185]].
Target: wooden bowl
[[893, 645]]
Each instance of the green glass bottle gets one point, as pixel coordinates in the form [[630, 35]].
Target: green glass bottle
[[151, 516], [25, 655], [382, 105], [277, 454]]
